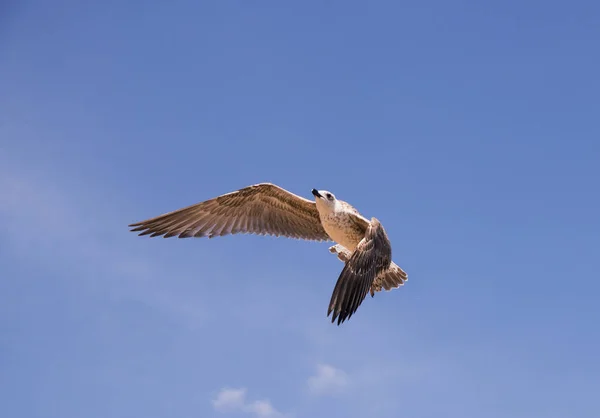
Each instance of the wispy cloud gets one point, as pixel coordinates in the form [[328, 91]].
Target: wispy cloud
[[232, 400], [328, 380], [36, 211]]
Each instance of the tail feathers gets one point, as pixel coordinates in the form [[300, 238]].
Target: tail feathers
[[392, 278]]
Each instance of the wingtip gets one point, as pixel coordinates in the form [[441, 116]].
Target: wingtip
[[334, 316], [339, 316]]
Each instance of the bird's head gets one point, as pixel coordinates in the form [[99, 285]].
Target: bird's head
[[325, 200]]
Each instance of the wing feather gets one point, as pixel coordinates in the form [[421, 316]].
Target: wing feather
[[258, 209], [372, 255]]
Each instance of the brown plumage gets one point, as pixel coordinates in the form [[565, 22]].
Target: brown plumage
[[262, 209], [267, 209], [372, 256]]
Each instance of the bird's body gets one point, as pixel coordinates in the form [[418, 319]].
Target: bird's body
[[265, 208], [344, 225]]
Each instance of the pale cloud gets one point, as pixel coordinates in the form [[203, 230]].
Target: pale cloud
[[262, 409], [37, 211], [231, 400], [33, 209], [328, 380]]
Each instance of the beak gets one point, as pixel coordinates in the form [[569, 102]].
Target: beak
[[315, 193]]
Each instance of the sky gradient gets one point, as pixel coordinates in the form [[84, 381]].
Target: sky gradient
[[469, 130]]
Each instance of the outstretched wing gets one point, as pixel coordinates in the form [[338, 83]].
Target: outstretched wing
[[263, 209], [372, 255]]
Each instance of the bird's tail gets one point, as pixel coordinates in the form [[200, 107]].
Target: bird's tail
[[392, 278]]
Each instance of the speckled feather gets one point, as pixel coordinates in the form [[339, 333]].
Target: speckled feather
[[262, 209], [267, 209], [372, 256]]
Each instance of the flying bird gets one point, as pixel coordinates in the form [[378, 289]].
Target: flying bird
[[267, 209]]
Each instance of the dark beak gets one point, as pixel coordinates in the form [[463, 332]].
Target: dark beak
[[315, 193]]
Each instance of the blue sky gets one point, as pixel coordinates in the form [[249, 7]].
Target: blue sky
[[469, 129]]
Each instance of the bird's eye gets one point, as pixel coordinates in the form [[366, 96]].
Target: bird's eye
[[329, 196]]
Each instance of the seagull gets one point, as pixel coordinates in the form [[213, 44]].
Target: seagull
[[267, 209]]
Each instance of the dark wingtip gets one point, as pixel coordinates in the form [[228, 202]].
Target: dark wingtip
[[340, 316], [334, 316]]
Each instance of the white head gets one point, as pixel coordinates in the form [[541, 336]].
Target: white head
[[326, 201]]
